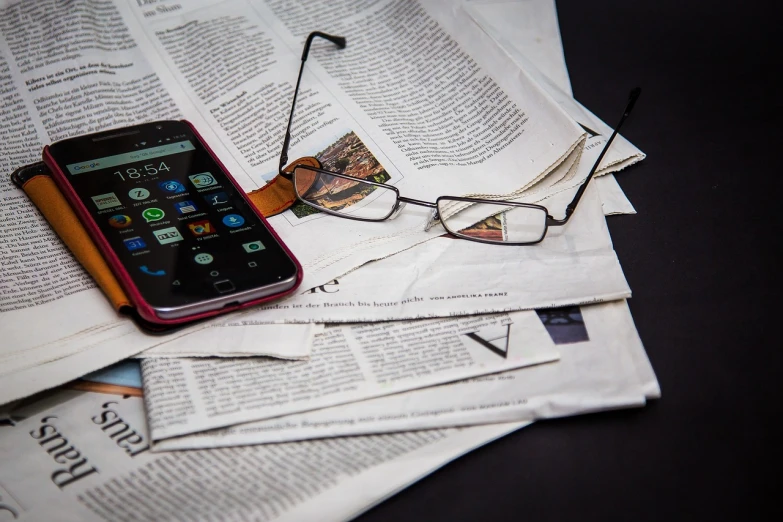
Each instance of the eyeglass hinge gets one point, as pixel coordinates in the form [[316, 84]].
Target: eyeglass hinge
[[552, 222]]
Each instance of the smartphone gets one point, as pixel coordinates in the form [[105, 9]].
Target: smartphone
[[176, 229]]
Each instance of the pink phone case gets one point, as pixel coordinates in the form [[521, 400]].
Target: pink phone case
[[143, 308]]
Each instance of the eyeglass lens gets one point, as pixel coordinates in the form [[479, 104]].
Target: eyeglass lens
[[344, 196], [492, 222]]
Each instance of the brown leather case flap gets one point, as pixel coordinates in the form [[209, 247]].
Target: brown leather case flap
[[278, 195]]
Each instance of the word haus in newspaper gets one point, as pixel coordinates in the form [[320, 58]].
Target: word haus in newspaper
[[72, 465], [120, 431]]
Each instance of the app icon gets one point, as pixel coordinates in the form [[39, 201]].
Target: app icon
[[134, 243], [217, 198], [168, 235], [233, 220], [253, 246], [139, 194], [203, 258], [152, 214], [120, 221], [108, 200], [173, 186], [185, 207], [147, 271], [205, 179], [201, 228]]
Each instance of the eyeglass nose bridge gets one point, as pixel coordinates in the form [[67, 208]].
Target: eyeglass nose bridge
[[397, 209], [433, 220], [434, 216]]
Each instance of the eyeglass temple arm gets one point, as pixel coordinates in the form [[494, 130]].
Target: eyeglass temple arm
[[632, 97], [337, 40]]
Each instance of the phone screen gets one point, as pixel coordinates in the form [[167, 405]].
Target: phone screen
[[178, 225]]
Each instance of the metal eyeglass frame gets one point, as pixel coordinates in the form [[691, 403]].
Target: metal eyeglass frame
[[401, 200]]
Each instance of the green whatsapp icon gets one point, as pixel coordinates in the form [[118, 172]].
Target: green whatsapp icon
[[152, 214]]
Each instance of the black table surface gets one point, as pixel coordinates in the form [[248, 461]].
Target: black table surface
[[699, 257]]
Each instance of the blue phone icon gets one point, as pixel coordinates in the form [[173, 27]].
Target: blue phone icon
[[233, 220], [147, 271], [172, 186]]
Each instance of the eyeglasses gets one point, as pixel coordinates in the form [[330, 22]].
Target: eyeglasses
[[366, 199]]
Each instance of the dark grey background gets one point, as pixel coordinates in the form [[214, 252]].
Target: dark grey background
[[700, 256]]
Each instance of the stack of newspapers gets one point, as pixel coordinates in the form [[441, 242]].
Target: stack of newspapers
[[404, 347]]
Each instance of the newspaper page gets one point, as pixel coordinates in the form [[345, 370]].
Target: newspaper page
[[242, 339], [348, 363], [602, 366], [613, 199], [85, 459], [530, 28], [430, 116], [94, 78], [113, 64]]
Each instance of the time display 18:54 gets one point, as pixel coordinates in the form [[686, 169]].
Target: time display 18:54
[[146, 170]]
